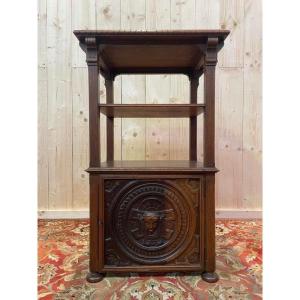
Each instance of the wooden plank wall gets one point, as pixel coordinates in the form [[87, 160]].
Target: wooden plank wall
[[63, 105]]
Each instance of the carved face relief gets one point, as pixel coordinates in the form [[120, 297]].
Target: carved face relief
[[151, 221]]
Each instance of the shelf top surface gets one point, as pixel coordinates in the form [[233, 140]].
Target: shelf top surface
[[158, 34], [148, 166], [134, 52]]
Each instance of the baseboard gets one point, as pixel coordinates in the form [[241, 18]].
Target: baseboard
[[84, 214], [239, 214]]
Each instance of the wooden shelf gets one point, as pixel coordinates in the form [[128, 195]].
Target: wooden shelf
[[151, 110], [138, 52], [152, 167]]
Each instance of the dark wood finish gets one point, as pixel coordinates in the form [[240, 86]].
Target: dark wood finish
[[110, 120], [209, 100], [94, 277], [95, 264], [152, 166], [152, 216], [151, 110], [210, 277], [93, 71], [128, 52], [152, 222], [194, 82]]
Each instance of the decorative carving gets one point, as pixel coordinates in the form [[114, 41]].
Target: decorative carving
[[110, 185], [150, 222], [91, 51], [211, 51]]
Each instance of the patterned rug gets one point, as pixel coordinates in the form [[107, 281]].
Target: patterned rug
[[63, 264]]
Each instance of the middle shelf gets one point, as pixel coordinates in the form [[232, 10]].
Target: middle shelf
[[151, 110]]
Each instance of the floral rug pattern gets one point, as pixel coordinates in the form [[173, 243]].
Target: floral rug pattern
[[63, 264]]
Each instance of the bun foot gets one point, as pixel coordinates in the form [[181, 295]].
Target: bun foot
[[210, 277], [94, 277]]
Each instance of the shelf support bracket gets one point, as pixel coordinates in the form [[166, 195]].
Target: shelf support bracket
[[94, 128]]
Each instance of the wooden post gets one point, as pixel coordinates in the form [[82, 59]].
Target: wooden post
[[92, 62], [194, 82], [109, 85], [209, 158], [209, 100], [94, 129]]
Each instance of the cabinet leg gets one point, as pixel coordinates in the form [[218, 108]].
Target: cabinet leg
[[210, 277], [94, 277]]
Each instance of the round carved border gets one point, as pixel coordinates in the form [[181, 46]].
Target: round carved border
[[123, 205]]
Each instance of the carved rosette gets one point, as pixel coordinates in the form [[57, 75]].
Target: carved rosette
[[151, 221]]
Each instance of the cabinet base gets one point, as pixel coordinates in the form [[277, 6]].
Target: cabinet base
[[210, 277], [94, 277]]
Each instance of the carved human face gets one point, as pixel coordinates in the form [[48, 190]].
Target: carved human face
[[151, 222]]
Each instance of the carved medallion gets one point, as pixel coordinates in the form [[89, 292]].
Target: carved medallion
[[151, 221]]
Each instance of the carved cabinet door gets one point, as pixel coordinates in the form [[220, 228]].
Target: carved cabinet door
[[152, 222]]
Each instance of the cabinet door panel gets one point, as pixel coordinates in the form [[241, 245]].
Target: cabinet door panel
[[152, 222]]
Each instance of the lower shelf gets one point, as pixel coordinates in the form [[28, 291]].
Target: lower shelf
[[150, 166]]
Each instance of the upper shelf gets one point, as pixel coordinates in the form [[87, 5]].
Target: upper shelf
[[151, 110], [137, 52]]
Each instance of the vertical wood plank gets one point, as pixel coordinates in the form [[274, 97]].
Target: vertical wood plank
[[207, 17], [229, 128], [59, 104], [42, 107], [80, 138], [182, 17], [108, 14], [108, 17], [157, 129], [83, 17], [207, 14], [42, 33], [157, 87], [133, 87], [232, 18], [252, 114], [42, 140]]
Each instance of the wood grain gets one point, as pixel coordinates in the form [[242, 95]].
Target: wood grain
[[182, 17], [232, 18], [83, 16], [59, 104], [134, 86], [43, 189], [229, 131], [157, 87], [252, 110], [80, 138], [62, 67]]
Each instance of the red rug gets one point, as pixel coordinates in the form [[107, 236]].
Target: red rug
[[63, 264]]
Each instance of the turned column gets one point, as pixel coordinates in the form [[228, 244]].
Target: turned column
[[209, 158], [194, 82], [109, 85]]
